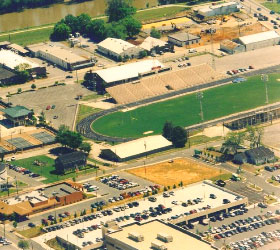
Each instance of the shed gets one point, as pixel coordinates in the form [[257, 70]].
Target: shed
[[151, 43], [231, 47], [136, 148], [70, 162], [183, 38]]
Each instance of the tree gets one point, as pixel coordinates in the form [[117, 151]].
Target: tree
[[232, 143], [116, 30], [83, 21], [22, 72], [42, 118], [86, 147], [96, 30], [33, 86], [179, 137], [72, 22], [119, 9], [61, 32], [23, 244], [143, 53], [19, 90], [69, 138], [155, 33], [254, 136], [167, 130], [15, 224], [132, 26]]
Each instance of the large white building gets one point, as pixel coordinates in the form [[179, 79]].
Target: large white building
[[127, 72], [136, 148], [218, 9], [259, 40], [116, 48]]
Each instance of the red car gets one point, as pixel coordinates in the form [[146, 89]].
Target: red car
[[48, 107]]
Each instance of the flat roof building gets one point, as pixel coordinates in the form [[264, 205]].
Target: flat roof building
[[6, 77], [231, 47], [17, 48], [259, 40], [136, 148], [63, 58], [181, 39], [118, 48], [217, 9], [154, 235]]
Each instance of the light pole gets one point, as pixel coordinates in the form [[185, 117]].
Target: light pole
[[199, 96], [264, 78]]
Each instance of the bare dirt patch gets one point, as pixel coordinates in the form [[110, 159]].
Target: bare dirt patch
[[185, 170]]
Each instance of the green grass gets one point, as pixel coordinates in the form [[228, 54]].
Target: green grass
[[5, 193], [184, 110], [154, 14], [223, 177], [29, 36], [272, 6], [85, 111], [90, 97]]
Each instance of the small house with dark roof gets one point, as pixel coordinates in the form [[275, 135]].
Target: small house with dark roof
[[7, 77], [256, 156], [18, 115], [181, 39], [70, 162]]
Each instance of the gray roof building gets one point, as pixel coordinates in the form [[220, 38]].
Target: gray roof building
[[183, 38]]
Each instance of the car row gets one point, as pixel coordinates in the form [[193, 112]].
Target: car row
[[241, 70], [184, 58], [256, 241], [23, 171], [4, 241], [180, 65], [117, 182], [89, 187], [272, 168]]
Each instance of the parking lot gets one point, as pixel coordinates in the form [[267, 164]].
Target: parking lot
[[196, 197], [242, 189], [61, 100]]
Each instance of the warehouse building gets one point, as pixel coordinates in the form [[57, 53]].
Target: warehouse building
[[63, 58], [259, 40], [217, 9], [154, 234], [18, 49], [181, 39], [118, 48], [11, 60], [128, 72], [136, 148], [231, 47]]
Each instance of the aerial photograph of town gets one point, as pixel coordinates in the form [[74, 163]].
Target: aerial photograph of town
[[140, 124]]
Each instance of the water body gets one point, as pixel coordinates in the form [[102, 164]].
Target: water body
[[40, 16]]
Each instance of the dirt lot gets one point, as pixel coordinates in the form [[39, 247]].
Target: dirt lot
[[184, 170]]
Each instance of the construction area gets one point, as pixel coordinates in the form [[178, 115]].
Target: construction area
[[176, 171]]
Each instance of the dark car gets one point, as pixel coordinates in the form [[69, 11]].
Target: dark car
[[220, 183], [226, 201], [30, 224]]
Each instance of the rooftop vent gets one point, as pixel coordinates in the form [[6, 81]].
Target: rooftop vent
[[157, 245], [164, 237], [136, 236]]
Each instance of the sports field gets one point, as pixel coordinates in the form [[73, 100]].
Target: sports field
[[184, 110], [185, 170]]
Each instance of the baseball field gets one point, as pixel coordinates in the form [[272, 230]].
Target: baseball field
[[185, 110]]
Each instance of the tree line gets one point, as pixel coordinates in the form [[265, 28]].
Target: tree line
[[121, 23], [17, 5]]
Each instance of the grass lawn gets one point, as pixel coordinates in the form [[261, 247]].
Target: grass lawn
[[158, 13], [85, 111], [5, 193], [29, 36], [184, 170], [184, 110], [91, 97], [47, 171], [31, 232], [272, 6]]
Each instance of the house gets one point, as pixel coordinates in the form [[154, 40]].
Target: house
[[17, 115], [231, 47], [181, 39], [256, 156], [7, 77], [70, 162], [118, 48], [151, 43]]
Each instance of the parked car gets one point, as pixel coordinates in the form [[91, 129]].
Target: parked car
[[220, 183]]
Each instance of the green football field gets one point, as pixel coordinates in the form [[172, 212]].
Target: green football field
[[185, 110]]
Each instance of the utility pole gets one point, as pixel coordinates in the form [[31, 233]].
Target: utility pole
[[264, 78], [199, 96], [212, 48]]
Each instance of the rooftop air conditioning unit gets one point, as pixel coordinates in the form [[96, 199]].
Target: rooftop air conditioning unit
[[164, 237], [136, 236], [157, 245]]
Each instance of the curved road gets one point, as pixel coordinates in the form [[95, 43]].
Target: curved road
[[84, 126]]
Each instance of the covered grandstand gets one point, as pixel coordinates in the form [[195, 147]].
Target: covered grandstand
[[164, 83]]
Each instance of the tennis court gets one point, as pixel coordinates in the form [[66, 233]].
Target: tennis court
[[19, 143], [44, 137]]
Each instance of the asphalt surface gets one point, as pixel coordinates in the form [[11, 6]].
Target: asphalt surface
[[84, 126]]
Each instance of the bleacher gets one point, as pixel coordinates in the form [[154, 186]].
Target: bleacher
[[163, 83]]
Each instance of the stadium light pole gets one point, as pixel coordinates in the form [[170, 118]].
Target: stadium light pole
[[199, 96], [264, 78]]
